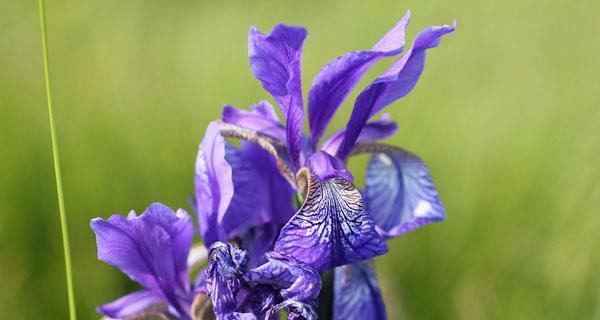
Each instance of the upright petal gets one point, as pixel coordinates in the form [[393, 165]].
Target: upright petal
[[131, 305], [339, 76], [393, 84], [228, 179], [372, 131], [262, 119], [332, 227], [213, 185], [356, 293], [151, 249], [400, 194], [275, 61]]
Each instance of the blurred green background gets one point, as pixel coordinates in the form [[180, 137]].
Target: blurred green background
[[506, 115]]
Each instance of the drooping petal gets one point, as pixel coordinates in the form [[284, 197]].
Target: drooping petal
[[356, 293], [332, 227], [226, 266], [151, 249], [275, 61], [262, 118], [325, 166], [396, 82], [400, 194], [339, 76], [372, 131], [213, 185], [131, 304], [296, 280]]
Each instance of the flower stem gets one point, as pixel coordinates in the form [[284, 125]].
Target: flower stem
[[59, 189]]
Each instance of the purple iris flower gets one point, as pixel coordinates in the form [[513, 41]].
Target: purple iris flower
[[288, 200], [279, 209], [152, 249]]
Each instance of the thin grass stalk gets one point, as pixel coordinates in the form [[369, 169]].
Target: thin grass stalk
[[56, 158]]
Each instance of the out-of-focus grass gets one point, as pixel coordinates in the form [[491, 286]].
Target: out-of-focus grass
[[506, 115]]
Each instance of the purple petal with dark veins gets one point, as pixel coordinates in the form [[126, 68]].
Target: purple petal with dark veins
[[325, 166], [338, 77], [151, 249], [130, 305], [332, 227], [262, 119], [356, 293], [400, 194], [275, 61], [372, 131], [396, 82]]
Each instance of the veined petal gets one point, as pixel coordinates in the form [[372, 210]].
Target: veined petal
[[262, 118], [338, 77], [372, 131], [393, 84], [151, 249], [131, 305], [332, 227], [356, 293], [399, 193], [275, 61]]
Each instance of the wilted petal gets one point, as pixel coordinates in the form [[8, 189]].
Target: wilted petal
[[151, 249], [226, 267], [372, 131], [332, 227], [131, 304], [275, 61], [296, 280], [356, 293], [339, 76], [262, 119], [325, 166], [400, 194], [396, 82], [260, 301]]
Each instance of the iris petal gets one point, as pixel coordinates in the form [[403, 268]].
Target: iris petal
[[228, 179], [400, 194], [356, 293], [131, 305], [396, 82], [332, 227], [338, 77], [151, 249], [275, 61], [262, 118], [372, 131]]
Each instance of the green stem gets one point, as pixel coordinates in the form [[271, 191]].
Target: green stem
[[59, 189]]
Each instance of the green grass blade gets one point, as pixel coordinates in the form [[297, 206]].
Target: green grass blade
[[59, 189]]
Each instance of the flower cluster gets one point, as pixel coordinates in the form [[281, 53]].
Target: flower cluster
[[278, 210]]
